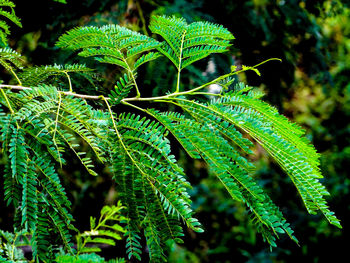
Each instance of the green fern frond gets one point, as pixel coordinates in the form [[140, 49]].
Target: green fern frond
[[12, 187], [17, 153], [51, 185], [71, 113], [229, 166], [146, 58], [41, 240], [29, 197], [298, 167], [105, 231], [7, 125], [294, 161], [50, 228], [62, 228], [10, 59], [122, 89], [289, 131], [7, 3], [111, 44], [10, 16], [156, 253], [158, 186], [187, 43]]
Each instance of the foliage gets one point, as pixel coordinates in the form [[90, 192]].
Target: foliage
[[6, 5], [39, 123], [85, 258], [105, 231], [9, 243]]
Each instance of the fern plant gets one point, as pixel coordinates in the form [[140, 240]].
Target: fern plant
[[40, 122]]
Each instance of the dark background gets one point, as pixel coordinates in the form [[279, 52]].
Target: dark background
[[310, 86]]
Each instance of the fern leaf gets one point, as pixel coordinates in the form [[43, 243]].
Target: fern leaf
[[10, 16], [281, 124], [122, 89], [147, 157], [62, 228], [133, 246], [18, 153], [187, 43], [287, 154], [12, 187], [41, 240], [29, 198], [109, 44], [10, 59], [156, 253], [226, 163], [146, 58]]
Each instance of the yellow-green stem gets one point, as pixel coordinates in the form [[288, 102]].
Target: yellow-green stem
[[69, 82], [15, 75], [180, 61]]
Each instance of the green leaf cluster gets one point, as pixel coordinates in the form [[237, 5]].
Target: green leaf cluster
[[39, 124], [105, 231]]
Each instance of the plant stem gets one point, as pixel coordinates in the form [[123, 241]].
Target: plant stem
[[134, 106], [180, 60], [15, 75], [120, 137], [138, 98], [7, 101], [68, 93], [69, 81]]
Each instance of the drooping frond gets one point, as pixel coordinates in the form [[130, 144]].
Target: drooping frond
[[70, 115], [228, 165], [288, 130], [29, 197], [290, 150], [42, 238], [150, 182], [268, 128], [187, 43], [40, 127], [155, 245]]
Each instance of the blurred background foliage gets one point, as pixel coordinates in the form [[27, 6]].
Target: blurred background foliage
[[311, 86]]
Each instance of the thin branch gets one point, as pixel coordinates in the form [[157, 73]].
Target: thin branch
[[69, 81], [68, 93], [180, 61], [138, 98]]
